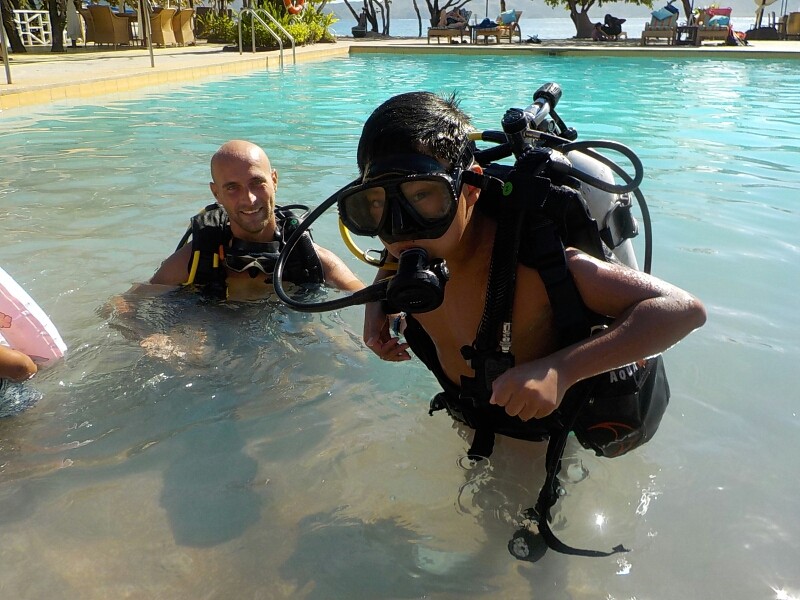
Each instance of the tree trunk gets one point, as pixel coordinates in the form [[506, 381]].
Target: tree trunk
[[372, 15], [583, 25], [419, 17], [433, 8], [58, 18], [11, 29], [687, 10]]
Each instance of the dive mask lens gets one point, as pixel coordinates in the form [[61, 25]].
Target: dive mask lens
[[416, 206], [362, 208]]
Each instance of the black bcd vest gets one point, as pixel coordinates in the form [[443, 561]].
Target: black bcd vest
[[210, 235]]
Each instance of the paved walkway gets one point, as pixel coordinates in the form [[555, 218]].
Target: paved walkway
[[41, 77]]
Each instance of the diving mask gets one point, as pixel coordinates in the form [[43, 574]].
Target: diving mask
[[252, 257], [406, 197]]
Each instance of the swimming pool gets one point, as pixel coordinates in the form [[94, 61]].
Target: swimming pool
[[276, 458]]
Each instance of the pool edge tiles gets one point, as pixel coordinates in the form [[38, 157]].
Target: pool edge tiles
[[773, 52], [21, 94]]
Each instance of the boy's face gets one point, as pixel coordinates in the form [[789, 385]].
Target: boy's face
[[449, 242], [408, 201]]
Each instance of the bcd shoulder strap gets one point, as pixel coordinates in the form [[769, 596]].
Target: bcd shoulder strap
[[308, 269], [209, 232]]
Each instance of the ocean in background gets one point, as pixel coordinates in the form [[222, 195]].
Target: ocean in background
[[554, 28], [545, 28]]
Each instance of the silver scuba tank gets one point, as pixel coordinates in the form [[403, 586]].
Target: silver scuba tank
[[602, 205]]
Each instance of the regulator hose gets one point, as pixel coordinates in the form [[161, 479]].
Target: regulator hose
[[372, 293]]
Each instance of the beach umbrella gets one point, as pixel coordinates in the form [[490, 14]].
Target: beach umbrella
[[760, 10]]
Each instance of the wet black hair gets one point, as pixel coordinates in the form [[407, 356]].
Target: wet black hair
[[414, 123]]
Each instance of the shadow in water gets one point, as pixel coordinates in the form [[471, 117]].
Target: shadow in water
[[208, 492], [345, 557]]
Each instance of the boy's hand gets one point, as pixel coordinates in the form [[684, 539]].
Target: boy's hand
[[377, 335], [528, 391]]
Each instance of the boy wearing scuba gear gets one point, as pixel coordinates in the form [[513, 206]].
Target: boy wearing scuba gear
[[235, 247], [420, 189]]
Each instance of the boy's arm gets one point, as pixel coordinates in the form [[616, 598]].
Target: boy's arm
[[15, 365], [650, 316]]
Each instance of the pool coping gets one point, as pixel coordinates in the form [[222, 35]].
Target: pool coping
[[40, 77]]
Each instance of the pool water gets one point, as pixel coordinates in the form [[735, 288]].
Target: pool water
[[267, 454]]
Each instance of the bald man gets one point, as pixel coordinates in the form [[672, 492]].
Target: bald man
[[235, 242]]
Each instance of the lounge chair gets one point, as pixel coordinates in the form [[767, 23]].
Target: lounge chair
[[161, 28], [449, 32], [507, 26], [109, 28], [182, 27], [88, 26], [793, 26], [662, 25], [713, 24]]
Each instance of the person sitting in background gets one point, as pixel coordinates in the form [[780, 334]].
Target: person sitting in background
[[454, 18], [612, 26], [597, 33]]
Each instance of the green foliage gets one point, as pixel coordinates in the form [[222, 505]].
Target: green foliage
[[217, 28], [307, 27], [585, 5]]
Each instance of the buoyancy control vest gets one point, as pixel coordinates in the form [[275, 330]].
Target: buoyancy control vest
[[610, 413], [210, 235]]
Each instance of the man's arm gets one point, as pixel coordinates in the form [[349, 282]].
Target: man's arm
[[174, 270], [337, 274], [650, 316]]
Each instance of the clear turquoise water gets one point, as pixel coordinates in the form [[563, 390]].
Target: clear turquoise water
[[276, 458]]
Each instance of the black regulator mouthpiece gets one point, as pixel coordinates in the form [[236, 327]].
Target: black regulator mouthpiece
[[418, 286]]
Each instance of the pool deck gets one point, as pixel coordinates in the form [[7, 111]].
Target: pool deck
[[41, 77]]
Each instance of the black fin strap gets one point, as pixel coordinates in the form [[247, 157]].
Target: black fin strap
[[548, 495], [482, 444]]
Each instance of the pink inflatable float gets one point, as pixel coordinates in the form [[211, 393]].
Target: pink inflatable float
[[24, 326]]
